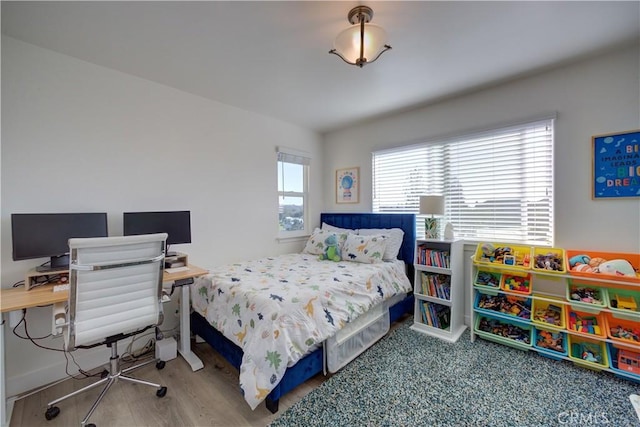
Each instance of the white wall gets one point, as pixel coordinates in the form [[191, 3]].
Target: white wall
[[79, 137], [593, 97]]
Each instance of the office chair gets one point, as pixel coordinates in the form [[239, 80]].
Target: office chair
[[115, 291]]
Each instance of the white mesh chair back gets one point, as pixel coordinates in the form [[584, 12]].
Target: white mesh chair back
[[115, 286]]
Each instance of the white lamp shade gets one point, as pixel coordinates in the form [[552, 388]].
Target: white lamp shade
[[432, 205], [347, 43]]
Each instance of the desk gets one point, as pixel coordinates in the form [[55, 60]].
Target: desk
[[18, 298]]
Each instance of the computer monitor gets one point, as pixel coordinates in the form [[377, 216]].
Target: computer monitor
[[177, 224], [39, 235]]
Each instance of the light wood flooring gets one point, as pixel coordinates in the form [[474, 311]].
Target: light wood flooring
[[208, 397]]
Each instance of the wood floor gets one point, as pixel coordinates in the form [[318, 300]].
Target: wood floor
[[208, 397]]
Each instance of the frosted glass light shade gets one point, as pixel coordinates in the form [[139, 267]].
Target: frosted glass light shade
[[347, 43]]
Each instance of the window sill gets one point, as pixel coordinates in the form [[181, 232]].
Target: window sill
[[293, 239]]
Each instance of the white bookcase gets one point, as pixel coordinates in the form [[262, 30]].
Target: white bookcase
[[438, 289]]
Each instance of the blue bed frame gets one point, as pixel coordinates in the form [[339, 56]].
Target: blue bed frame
[[313, 363]]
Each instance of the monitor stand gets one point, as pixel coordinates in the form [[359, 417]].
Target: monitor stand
[[56, 263]]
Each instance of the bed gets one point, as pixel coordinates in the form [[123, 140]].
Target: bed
[[281, 289]]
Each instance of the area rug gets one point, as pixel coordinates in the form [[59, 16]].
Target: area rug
[[411, 379]]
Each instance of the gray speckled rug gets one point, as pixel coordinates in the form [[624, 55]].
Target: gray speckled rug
[[410, 379]]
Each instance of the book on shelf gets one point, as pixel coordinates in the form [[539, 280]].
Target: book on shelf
[[433, 257], [436, 285], [435, 315]]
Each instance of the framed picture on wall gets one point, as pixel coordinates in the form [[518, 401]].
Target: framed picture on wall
[[348, 185], [616, 165]]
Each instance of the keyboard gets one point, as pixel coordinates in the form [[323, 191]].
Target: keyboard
[[176, 269]]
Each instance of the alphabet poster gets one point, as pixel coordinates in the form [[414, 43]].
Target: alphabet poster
[[616, 165]]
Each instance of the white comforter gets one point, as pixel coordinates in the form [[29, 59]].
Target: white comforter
[[277, 309]]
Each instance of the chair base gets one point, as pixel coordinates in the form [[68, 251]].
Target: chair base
[[114, 374]]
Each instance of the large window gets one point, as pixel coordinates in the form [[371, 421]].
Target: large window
[[498, 184], [293, 189]]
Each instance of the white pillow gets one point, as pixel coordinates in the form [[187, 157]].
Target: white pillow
[[330, 227], [317, 242], [394, 240], [365, 249]]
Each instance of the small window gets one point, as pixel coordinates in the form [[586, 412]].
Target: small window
[[293, 193]]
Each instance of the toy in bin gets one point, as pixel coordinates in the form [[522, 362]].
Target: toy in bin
[[624, 302], [504, 255], [629, 361], [591, 352], [585, 324], [486, 278], [551, 314], [583, 263], [550, 261], [515, 283], [508, 304], [586, 295], [550, 340], [507, 330]]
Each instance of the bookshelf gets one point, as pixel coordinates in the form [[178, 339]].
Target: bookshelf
[[438, 289]]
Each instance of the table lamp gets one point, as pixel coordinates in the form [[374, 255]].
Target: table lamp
[[431, 205]]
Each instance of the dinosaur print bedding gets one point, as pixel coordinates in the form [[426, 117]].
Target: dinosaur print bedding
[[277, 309]]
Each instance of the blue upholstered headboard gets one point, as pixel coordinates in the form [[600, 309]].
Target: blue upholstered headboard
[[406, 222]]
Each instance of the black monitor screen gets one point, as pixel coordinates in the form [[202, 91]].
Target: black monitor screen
[[38, 235], [177, 224]]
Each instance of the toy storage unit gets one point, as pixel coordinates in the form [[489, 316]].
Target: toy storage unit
[[578, 314]]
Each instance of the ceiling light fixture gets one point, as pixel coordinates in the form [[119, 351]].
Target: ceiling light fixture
[[358, 44]]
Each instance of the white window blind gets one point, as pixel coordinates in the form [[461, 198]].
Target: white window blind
[[293, 189], [498, 184]]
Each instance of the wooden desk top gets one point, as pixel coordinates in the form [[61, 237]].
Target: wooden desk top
[[18, 298]]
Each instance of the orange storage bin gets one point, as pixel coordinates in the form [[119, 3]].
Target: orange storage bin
[[624, 267], [585, 323], [515, 281], [622, 330]]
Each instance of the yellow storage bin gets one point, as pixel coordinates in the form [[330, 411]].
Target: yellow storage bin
[[505, 254], [549, 314], [549, 260], [518, 282], [588, 353]]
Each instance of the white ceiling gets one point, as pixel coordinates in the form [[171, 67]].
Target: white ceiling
[[272, 57]]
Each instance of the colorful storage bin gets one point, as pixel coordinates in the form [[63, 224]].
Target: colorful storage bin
[[624, 267], [510, 306], [487, 278], [549, 260], [507, 332], [623, 330], [624, 361], [550, 314], [586, 297], [518, 282], [624, 302], [584, 323], [550, 343], [588, 353], [505, 254]]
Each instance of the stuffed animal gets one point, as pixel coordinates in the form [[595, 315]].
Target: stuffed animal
[[331, 249], [617, 267]]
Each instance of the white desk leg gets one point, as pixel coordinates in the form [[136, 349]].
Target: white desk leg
[[5, 412], [184, 347]]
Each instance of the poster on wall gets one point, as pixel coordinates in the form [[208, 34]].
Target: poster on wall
[[348, 185], [616, 165]]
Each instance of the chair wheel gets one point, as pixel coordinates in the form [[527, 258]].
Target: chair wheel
[[160, 364], [162, 391], [90, 425], [52, 412], [104, 374]]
